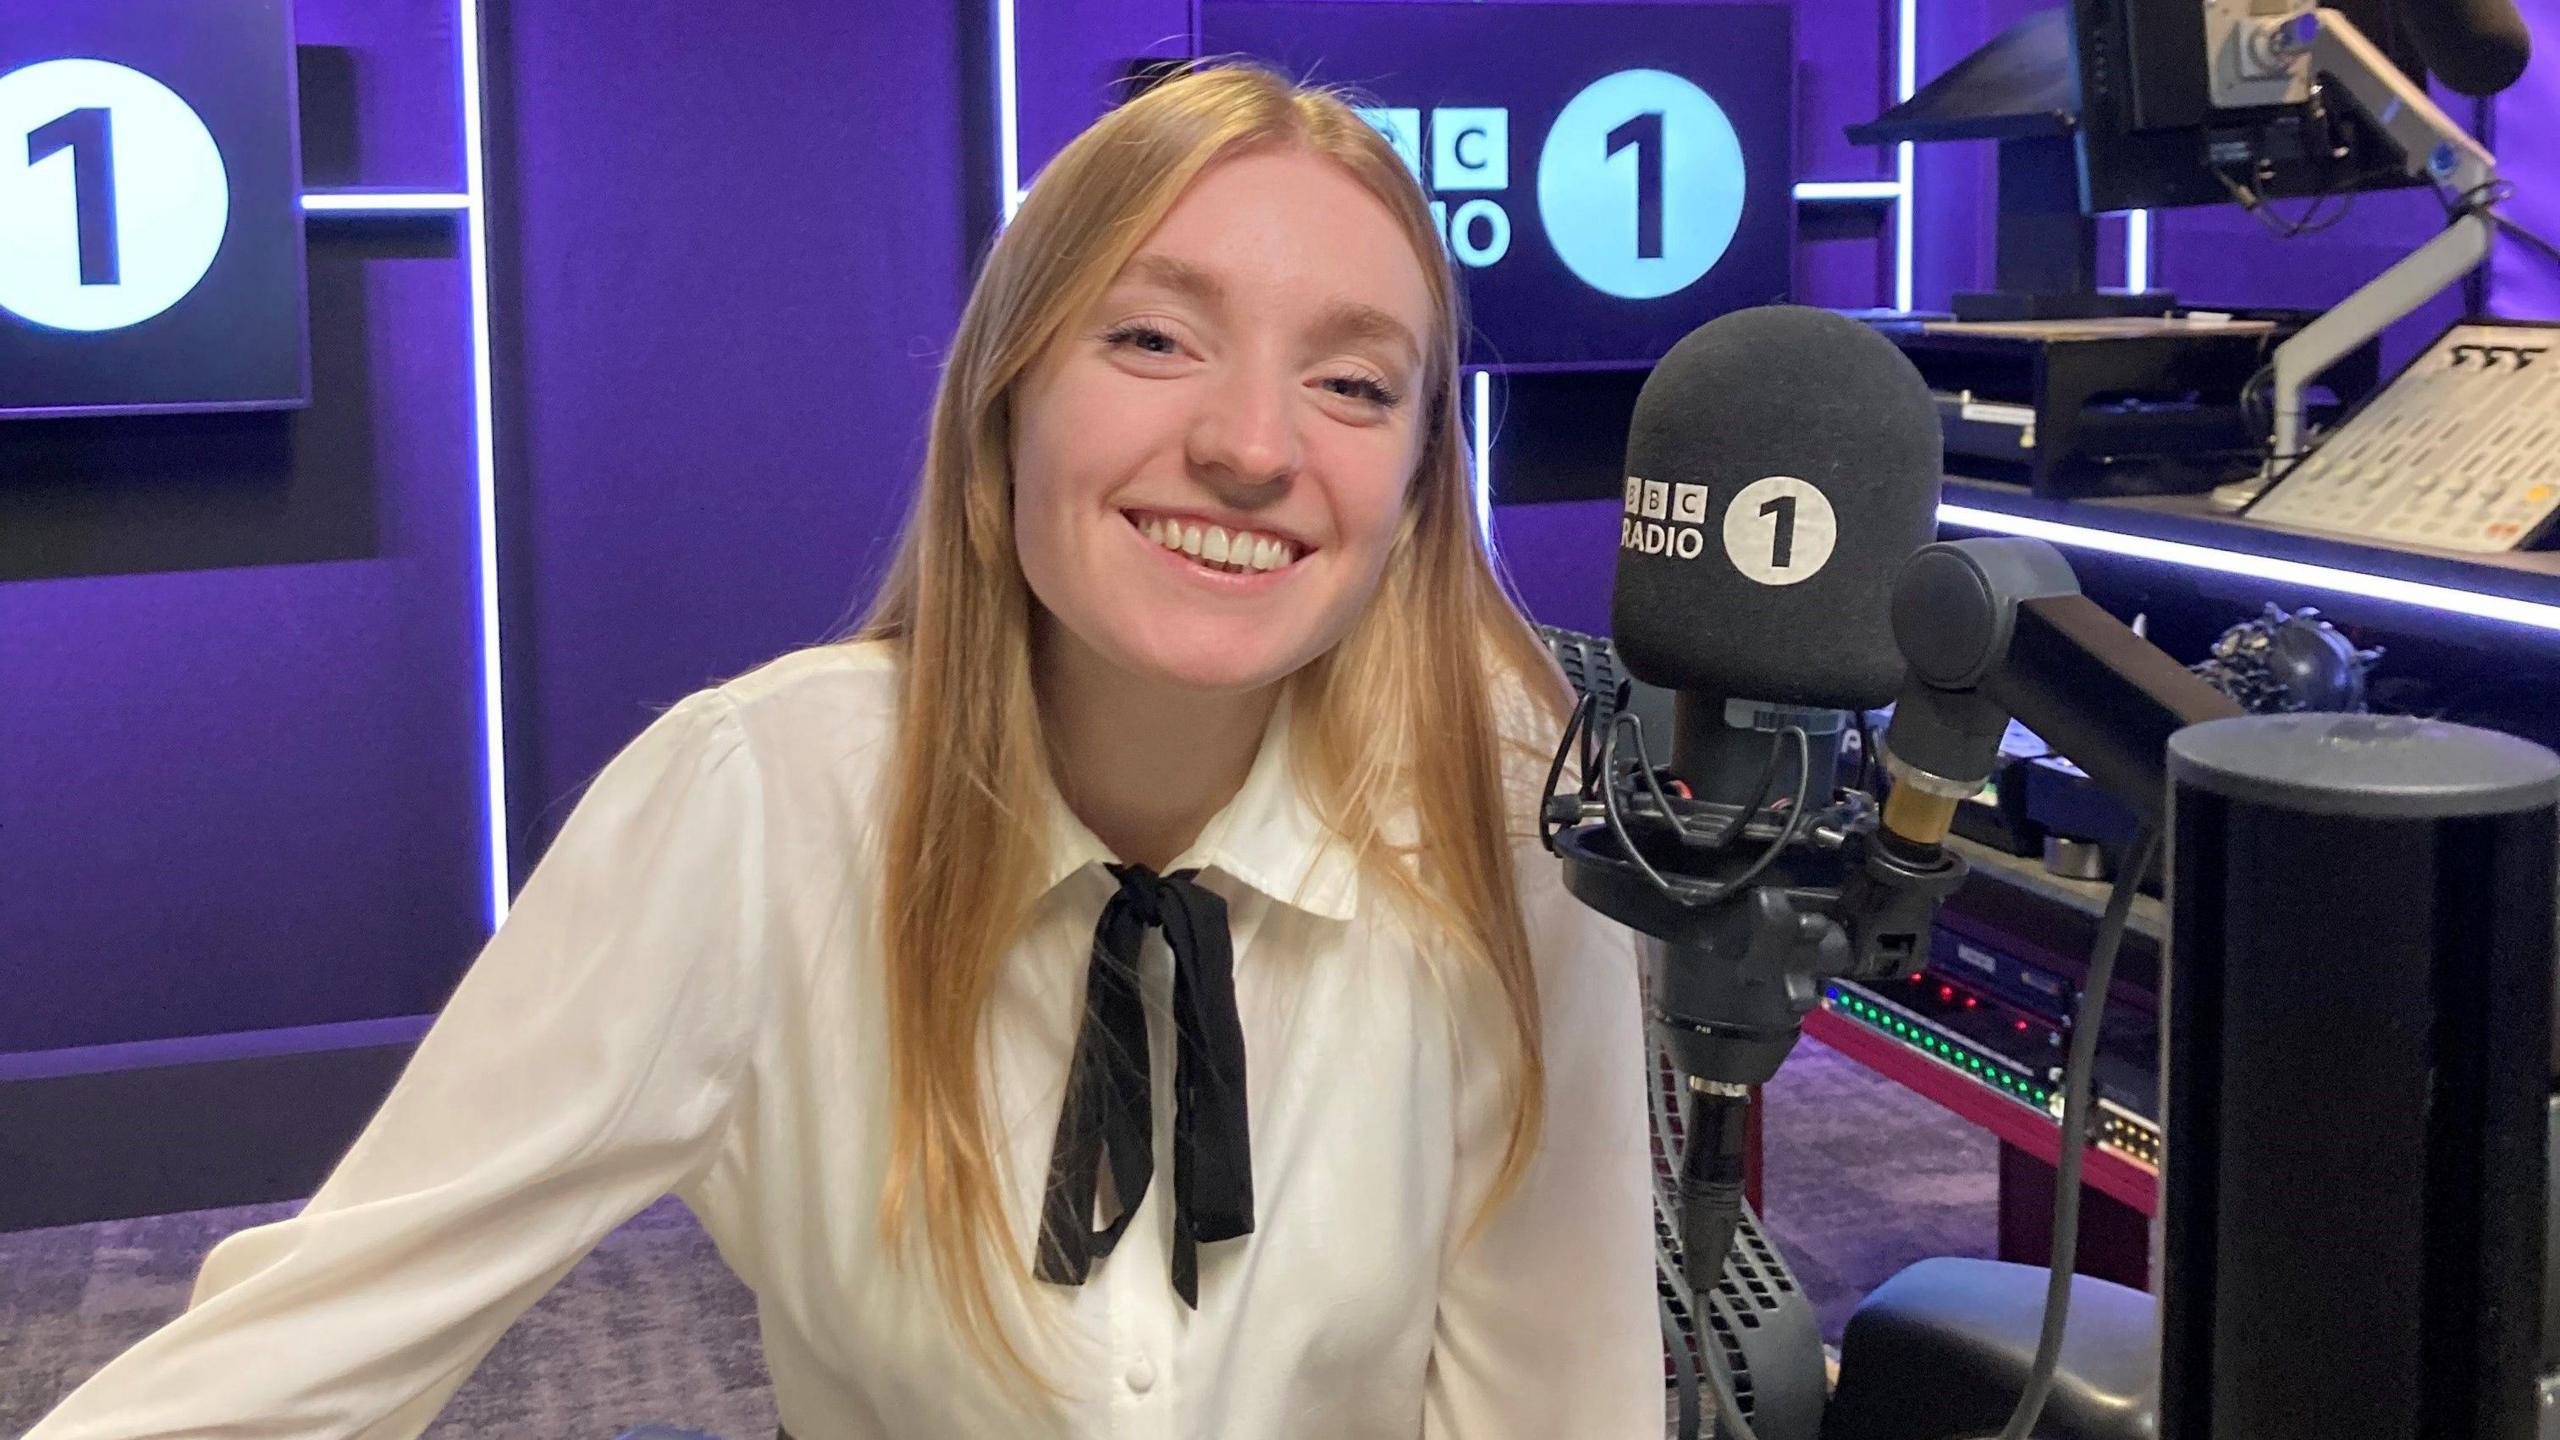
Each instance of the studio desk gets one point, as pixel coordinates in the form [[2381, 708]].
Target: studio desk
[[1982, 1029]]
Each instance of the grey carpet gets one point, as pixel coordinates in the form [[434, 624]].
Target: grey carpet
[[1861, 1179], [649, 1326]]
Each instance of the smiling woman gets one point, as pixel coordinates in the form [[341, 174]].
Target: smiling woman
[[1225, 311]]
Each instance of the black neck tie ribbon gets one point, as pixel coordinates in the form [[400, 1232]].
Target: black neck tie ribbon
[[1108, 1116]]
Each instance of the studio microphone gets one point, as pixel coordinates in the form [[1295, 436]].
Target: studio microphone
[[2476, 47], [1782, 464]]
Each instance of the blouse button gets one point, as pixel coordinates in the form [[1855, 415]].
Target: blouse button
[[1142, 1376]]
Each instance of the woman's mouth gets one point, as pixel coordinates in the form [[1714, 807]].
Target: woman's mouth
[[1232, 559]]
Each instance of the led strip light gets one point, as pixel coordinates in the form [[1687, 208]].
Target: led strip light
[[1008, 138], [1906, 78], [484, 463], [2446, 599], [1480, 419], [383, 202]]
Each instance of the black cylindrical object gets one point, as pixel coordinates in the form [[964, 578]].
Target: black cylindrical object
[[2360, 1062]]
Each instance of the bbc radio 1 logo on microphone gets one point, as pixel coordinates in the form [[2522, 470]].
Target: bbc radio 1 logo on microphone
[[1778, 530], [1639, 181]]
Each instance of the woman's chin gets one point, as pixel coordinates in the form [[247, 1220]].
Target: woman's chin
[[1214, 669]]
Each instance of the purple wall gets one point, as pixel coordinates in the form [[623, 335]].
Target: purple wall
[[398, 58], [240, 757], [736, 254], [2526, 286], [237, 712]]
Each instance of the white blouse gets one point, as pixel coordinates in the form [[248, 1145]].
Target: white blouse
[[685, 999]]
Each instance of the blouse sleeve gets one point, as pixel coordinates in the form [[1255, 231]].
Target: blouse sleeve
[[583, 1068], [1547, 1322]]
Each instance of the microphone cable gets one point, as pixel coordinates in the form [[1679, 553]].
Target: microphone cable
[[2078, 1076], [1711, 1179]]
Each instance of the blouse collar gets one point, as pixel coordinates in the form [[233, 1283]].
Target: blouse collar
[[1269, 836]]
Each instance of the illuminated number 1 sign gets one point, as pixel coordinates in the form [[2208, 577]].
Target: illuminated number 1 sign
[[1641, 184], [113, 197], [152, 247]]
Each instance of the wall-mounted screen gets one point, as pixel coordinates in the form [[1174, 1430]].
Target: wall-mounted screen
[[1607, 177], [150, 208]]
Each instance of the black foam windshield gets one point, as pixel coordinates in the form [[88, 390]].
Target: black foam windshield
[[1782, 463]]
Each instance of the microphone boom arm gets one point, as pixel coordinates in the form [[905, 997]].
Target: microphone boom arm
[[1996, 628]]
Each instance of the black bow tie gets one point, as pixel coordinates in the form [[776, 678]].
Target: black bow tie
[[1108, 1111]]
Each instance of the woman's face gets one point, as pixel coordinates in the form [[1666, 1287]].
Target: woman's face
[[1251, 377]]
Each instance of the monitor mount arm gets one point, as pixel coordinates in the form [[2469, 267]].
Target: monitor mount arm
[[2258, 60]]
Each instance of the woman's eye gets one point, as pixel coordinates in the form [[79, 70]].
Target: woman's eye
[[1144, 338], [1361, 387]]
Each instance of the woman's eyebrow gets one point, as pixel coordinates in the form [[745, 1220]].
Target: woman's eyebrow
[[1180, 276], [1352, 320]]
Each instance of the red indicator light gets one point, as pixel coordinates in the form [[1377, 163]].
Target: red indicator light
[[1946, 992], [2022, 1027], [1970, 1002]]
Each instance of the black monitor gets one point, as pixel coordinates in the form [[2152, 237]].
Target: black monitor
[[2105, 105], [2150, 137]]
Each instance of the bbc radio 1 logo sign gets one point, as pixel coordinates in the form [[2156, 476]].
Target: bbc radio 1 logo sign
[[1638, 184], [113, 197], [151, 243], [1607, 176]]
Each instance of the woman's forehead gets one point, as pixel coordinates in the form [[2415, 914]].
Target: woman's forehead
[[1287, 225]]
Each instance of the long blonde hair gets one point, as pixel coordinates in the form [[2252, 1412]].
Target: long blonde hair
[[1400, 713]]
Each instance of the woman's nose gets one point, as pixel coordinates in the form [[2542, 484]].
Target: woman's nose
[[1246, 429]]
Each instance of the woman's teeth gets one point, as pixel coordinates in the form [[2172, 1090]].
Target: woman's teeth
[[1237, 552]]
